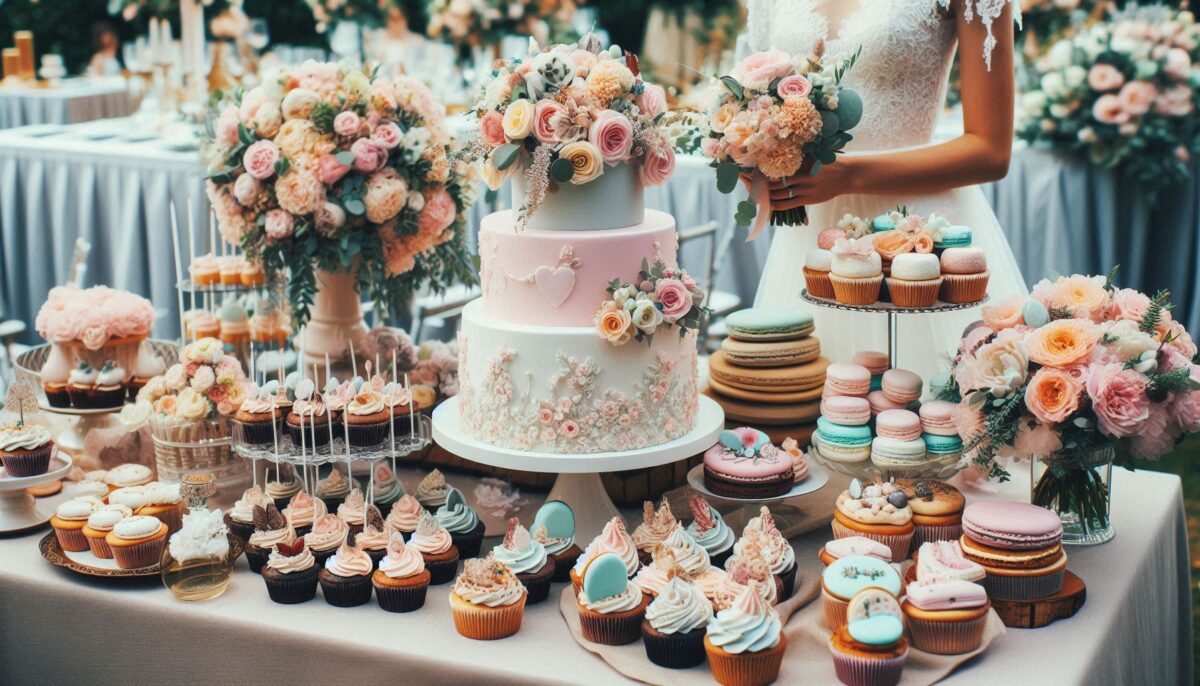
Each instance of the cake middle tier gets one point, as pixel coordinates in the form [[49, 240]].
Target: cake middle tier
[[566, 390], [560, 278]]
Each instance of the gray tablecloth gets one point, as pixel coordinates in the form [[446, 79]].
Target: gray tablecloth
[[76, 100], [57, 627]]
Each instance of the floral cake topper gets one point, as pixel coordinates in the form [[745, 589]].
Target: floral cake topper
[[662, 297]]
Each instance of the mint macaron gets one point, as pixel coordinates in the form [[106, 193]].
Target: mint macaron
[[954, 237], [942, 445], [769, 324]]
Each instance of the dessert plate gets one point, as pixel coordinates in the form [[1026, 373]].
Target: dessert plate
[[87, 564], [817, 478]]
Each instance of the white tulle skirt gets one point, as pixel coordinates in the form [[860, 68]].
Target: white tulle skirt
[[926, 342]]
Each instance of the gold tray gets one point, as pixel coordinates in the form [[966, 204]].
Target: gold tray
[[53, 552]]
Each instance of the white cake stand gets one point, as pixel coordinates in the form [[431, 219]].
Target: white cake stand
[[18, 511], [791, 518], [578, 483]]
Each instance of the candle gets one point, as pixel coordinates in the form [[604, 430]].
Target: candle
[[24, 43], [12, 63]]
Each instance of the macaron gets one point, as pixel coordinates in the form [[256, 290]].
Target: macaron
[[1011, 525], [767, 379], [842, 443], [876, 362], [846, 410], [953, 237], [772, 414], [937, 418], [901, 385], [769, 324], [771, 353], [881, 403], [847, 378], [902, 425], [811, 395], [940, 446], [891, 452]]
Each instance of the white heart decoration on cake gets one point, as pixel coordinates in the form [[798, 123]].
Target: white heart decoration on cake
[[555, 284]]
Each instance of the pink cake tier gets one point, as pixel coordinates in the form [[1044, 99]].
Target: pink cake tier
[[559, 278]]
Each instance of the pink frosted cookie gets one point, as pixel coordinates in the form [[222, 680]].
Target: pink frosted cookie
[[843, 378], [854, 545], [939, 593], [902, 425], [1010, 525], [846, 410], [937, 418], [745, 464]]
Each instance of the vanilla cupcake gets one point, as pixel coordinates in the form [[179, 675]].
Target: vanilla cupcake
[[817, 264], [915, 280], [98, 526], [69, 520], [137, 542], [856, 271], [655, 527], [128, 474], [432, 490], [405, 514]]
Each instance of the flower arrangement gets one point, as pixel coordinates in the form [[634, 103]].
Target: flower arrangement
[[1045, 21], [662, 297], [368, 13], [323, 167], [437, 367], [205, 383], [684, 130], [1122, 93], [93, 316], [566, 113], [773, 116], [468, 24]]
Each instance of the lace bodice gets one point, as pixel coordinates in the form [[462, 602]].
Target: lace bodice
[[907, 47]]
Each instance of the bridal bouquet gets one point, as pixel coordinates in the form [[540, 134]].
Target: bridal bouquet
[[566, 113], [322, 167], [1123, 93], [775, 115]]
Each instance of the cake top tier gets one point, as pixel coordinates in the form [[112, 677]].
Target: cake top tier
[[612, 200]]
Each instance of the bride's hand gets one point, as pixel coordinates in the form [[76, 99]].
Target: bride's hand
[[805, 188]]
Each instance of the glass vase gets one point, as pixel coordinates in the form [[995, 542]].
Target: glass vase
[[1078, 487], [196, 579]]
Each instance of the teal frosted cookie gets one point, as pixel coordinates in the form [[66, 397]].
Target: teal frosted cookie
[[846, 576], [874, 618], [769, 324], [883, 222], [954, 237]]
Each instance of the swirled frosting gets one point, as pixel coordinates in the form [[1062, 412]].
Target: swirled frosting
[[133, 497], [613, 539], [110, 375], [653, 578], [280, 490], [243, 509], [351, 510], [459, 518], [290, 564], [519, 551], [679, 608], [267, 538], [365, 403], [775, 549], [405, 514], [335, 485], [752, 567], [553, 546], [137, 527], [401, 561], [430, 537], [628, 599], [484, 581], [303, 510], [328, 532], [371, 539], [433, 489], [710, 583], [709, 529], [387, 488], [350, 561], [749, 625], [23, 437], [258, 405], [83, 375], [689, 554], [655, 527], [311, 407]]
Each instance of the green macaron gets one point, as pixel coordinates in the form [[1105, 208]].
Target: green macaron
[[954, 237], [942, 444], [769, 324]]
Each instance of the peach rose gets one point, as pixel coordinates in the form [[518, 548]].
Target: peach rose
[[722, 117], [166, 405], [1085, 296], [1138, 96], [1062, 343], [438, 212], [299, 191], [794, 86], [1004, 314], [260, 158], [586, 160], [613, 323], [1052, 395], [891, 243], [1105, 77], [385, 195], [491, 129]]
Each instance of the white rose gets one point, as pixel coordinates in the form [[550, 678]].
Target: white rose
[[1053, 85], [646, 316], [135, 415], [1060, 55], [191, 405], [1061, 111], [299, 103], [175, 377], [1076, 76], [416, 201]]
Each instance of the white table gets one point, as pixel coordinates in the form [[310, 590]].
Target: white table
[[75, 100]]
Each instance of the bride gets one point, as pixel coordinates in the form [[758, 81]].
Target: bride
[[907, 48]]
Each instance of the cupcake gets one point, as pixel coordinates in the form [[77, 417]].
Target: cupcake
[[133, 497], [328, 534], [856, 271], [302, 510], [309, 423], [945, 560], [435, 544], [717, 587], [334, 489], [230, 270], [128, 474], [291, 573], [611, 607], [870, 650], [405, 514], [240, 518], [258, 420], [367, 419], [137, 542], [853, 545], [527, 559], [964, 275], [745, 642], [817, 263], [937, 509], [401, 580], [945, 616], [87, 487], [710, 531], [750, 564], [655, 527], [1019, 547], [283, 488], [109, 390], [675, 625], [69, 520], [252, 274], [80, 384], [879, 511], [778, 553], [487, 600], [689, 555], [234, 328], [466, 529], [205, 270], [612, 539], [915, 280], [163, 502], [652, 579], [554, 528], [346, 578], [846, 576], [373, 539], [386, 488], [353, 511], [25, 449], [55, 373], [270, 528], [432, 490]]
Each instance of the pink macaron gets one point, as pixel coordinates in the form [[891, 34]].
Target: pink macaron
[[1011, 525], [875, 362], [846, 410], [880, 402], [937, 418], [964, 261], [842, 378], [901, 385], [902, 425]]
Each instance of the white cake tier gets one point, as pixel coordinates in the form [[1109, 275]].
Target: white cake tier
[[612, 200], [560, 278], [566, 390]]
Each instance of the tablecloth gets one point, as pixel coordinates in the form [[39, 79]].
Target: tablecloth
[[76, 100], [57, 627]]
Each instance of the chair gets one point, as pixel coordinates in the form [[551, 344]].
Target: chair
[[441, 312], [721, 303]]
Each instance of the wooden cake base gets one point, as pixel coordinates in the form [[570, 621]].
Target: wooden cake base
[[1031, 614]]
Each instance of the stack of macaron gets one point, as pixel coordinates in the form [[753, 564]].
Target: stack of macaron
[[769, 371], [943, 445], [1019, 547], [843, 433]]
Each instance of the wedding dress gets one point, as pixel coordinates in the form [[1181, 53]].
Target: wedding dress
[[907, 47]]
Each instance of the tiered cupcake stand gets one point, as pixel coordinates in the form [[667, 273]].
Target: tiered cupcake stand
[[18, 510]]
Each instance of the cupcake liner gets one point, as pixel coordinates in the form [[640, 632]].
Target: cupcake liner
[[401, 598], [367, 435], [945, 532], [59, 397], [484, 623], [1024, 587], [818, 283], [240, 529], [914, 293], [862, 671], [788, 579], [537, 584], [564, 562], [673, 651], [145, 554], [864, 291], [899, 543], [72, 540], [321, 555], [312, 439], [376, 556], [964, 288], [468, 543], [746, 669], [256, 557], [946, 638], [100, 547], [614, 629], [441, 572], [259, 433], [345, 591], [290, 589], [29, 463], [835, 610], [108, 397]]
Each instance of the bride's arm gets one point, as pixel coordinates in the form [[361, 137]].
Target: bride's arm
[[981, 154]]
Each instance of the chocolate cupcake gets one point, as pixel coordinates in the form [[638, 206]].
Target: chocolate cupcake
[[309, 423], [240, 518], [437, 548], [334, 489], [109, 390], [25, 449], [291, 573], [554, 527], [257, 420], [367, 419], [302, 510], [80, 384], [655, 527], [373, 539], [328, 534], [270, 529], [674, 627], [465, 527], [527, 559], [611, 608], [346, 578]]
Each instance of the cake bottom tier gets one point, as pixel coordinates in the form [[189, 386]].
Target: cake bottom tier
[[566, 390]]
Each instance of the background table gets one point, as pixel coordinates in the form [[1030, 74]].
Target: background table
[[59, 628], [76, 100]]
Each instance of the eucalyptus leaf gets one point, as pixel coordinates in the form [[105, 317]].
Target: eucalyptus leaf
[[850, 109], [747, 208], [830, 122], [344, 157], [505, 155], [355, 206], [727, 177], [561, 170], [733, 86]]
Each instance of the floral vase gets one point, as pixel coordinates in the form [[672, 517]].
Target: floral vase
[[335, 322], [1078, 487]]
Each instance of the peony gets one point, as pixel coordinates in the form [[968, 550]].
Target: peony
[[299, 191], [999, 367], [613, 323], [584, 158], [1181, 340], [1157, 437], [652, 101], [203, 379], [1138, 96], [330, 171], [252, 100], [1127, 341], [612, 134], [1185, 410], [546, 114], [438, 212], [329, 218], [756, 71], [1119, 399], [1036, 440], [368, 156], [1129, 304], [1105, 77], [518, 120], [279, 224], [299, 103], [397, 255], [794, 86], [299, 137], [1052, 395], [1084, 296], [267, 122], [1062, 343], [646, 316], [1174, 102], [227, 126], [260, 159], [1108, 109], [248, 190], [1004, 314], [347, 124], [657, 166], [491, 128], [387, 135], [385, 195], [166, 405], [675, 299]]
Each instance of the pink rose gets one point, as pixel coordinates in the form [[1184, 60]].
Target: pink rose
[[1109, 109], [1138, 96], [1105, 77], [347, 124], [330, 170], [757, 71], [491, 129], [657, 166], [279, 224], [387, 135], [1175, 102], [260, 158], [94, 336], [1118, 399], [438, 213], [247, 189], [794, 86], [612, 134], [653, 100], [1129, 304], [368, 157], [1036, 440], [545, 116], [1157, 436], [675, 299], [329, 218], [227, 126]]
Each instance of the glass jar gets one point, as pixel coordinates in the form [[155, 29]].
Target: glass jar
[[1078, 487], [197, 579]]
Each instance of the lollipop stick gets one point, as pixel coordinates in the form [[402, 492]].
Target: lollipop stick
[[178, 269], [412, 415]]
